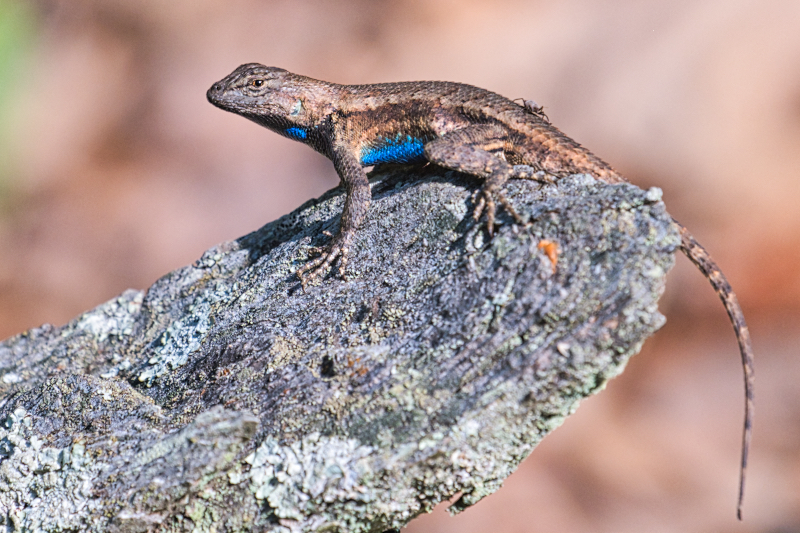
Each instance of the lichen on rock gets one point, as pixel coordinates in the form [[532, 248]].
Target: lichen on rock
[[226, 398]]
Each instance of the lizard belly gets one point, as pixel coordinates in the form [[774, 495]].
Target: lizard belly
[[400, 149]]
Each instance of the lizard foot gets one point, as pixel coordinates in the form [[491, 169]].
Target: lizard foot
[[527, 172], [338, 248], [487, 199]]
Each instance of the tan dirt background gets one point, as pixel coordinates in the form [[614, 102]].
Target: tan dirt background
[[115, 170]]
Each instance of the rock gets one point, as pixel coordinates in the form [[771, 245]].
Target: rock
[[226, 398]]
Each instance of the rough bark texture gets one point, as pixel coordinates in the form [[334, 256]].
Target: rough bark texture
[[226, 399]]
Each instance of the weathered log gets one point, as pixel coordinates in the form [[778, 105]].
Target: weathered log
[[225, 397]]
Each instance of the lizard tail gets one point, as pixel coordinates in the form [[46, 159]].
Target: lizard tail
[[700, 257]]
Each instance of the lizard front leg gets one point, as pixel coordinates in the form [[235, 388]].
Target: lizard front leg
[[356, 203], [478, 150]]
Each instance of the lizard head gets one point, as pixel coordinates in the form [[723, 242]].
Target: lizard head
[[270, 96]]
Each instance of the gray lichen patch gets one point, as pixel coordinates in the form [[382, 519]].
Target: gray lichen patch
[[115, 318], [226, 398], [182, 337], [313, 476], [42, 488], [98, 339]]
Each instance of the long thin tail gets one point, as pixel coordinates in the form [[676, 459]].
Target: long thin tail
[[699, 256]]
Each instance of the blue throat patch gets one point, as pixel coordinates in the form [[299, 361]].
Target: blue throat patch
[[296, 133], [402, 149]]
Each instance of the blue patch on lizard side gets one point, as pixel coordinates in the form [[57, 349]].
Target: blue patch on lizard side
[[296, 133], [402, 149]]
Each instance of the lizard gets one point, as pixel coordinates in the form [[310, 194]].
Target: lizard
[[452, 125]]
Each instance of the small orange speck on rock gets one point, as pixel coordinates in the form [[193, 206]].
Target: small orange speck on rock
[[551, 250]]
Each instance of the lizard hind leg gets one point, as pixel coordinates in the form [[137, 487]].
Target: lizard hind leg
[[478, 150]]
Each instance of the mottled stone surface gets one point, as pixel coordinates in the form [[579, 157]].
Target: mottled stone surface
[[224, 398]]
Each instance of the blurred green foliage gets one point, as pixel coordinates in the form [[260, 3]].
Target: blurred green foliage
[[17, 34]]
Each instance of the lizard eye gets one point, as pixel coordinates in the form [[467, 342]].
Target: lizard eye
[[257, 83]]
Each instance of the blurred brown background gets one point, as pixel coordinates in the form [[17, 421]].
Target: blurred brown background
[[114, 170]]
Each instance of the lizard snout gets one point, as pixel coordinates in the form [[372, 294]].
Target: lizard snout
[[214, 94]]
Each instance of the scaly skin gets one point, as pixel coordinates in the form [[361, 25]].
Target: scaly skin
[[453, 125]]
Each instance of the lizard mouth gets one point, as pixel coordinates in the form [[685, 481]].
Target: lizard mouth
[[216, 95], [221, 96]]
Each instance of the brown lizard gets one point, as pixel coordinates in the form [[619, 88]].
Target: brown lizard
[[457, 126]]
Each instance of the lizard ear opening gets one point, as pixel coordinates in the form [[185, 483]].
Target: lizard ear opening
[[297, 108]]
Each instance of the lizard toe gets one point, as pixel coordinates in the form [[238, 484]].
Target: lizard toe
[[320, 266], [487, 200]]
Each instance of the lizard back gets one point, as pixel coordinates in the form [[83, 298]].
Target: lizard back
[[430, 109]]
